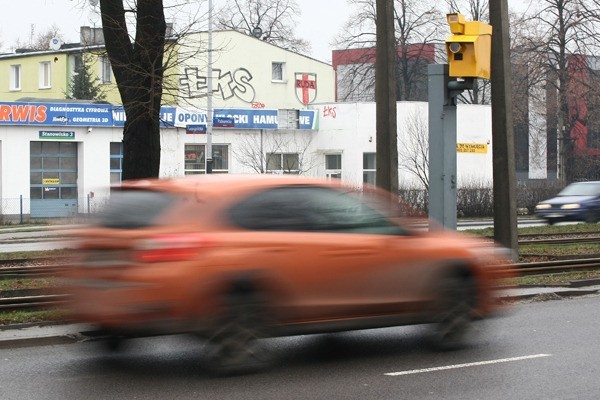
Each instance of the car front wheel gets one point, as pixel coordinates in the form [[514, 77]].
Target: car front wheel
[[453, 326]]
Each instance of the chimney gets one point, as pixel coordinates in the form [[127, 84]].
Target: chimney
[[89, 36]]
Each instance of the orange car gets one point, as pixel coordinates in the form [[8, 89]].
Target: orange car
[[236, 258]]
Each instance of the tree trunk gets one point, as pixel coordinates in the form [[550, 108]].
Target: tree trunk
[[138, 69]]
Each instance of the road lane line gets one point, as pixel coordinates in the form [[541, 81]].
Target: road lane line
[[473, 364]]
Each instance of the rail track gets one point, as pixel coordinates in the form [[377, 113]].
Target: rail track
[[50, 301]]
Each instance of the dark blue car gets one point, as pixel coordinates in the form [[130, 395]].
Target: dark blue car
[[577, 202]]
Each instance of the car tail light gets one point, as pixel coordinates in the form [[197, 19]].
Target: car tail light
[[173, 247]]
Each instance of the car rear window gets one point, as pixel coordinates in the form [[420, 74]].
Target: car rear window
[[135, 209]]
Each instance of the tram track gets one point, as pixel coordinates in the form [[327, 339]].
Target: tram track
[[56, 300]]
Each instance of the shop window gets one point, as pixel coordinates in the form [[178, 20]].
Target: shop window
[[195, 159]]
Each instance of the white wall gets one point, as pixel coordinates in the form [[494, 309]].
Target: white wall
[[344, 128], [242, 73], [350, 129]]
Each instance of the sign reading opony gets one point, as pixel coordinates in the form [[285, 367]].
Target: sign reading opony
[[80, 114], [472, 147]]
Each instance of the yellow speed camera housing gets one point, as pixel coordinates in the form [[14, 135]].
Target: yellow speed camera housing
[[469, 48]]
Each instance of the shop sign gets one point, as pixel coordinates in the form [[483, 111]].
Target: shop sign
[[62, 135], [472, 147]]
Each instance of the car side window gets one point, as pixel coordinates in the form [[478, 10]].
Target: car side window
[[310, 209]]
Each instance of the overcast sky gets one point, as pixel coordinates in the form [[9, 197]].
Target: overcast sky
[[321, 20]]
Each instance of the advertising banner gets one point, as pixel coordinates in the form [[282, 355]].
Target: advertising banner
[[107, 115]]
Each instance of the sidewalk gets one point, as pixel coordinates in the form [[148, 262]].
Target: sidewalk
[[28, 335]]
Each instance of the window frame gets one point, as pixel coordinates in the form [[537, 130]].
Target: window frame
[[116, 156], [45, 75], [370, 172], [281, 163], [282, 71], [15, 77], [105, 70], [223, 149], [335, 173]]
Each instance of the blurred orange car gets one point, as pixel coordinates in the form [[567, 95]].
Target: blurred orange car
[[236, 258]]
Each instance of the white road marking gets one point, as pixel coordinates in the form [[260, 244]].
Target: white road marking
[[473, 364]]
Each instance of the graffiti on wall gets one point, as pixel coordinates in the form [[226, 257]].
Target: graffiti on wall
[[329, 112], [225, 84]]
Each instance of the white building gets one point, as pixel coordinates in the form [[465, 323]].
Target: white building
[[48, 170]]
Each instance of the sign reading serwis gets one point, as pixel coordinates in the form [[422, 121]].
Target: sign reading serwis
[[472, 147]]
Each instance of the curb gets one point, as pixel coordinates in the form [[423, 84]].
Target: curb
[[40, 341], [86, 333]]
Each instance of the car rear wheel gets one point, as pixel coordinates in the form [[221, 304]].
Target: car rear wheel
[[453, 326], [234, 346]]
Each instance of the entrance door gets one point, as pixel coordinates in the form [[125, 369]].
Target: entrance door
[[53, 179]]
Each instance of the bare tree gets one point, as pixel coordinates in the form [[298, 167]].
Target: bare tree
[[265, 152], [413, 155], [39, 41], [417, 32], [565, 28], [270, 20]]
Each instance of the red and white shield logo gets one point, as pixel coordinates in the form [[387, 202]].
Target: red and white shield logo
[[306, 86]]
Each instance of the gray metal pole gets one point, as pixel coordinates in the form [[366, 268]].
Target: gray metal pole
[[209, 113], [442, 150]]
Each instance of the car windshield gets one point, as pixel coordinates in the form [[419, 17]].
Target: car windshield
[[581, 189], [134, 209]]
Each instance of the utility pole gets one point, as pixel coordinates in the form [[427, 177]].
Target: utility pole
[[385, 98], [505, 204]]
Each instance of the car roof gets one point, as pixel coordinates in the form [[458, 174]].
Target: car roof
[[223, 183]]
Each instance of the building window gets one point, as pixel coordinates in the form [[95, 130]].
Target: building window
[[45, 75], [195, 160], [105, 70], [333, 166], [369, 168], [15, 77], [116, 162], [283, 163], [277, 71]]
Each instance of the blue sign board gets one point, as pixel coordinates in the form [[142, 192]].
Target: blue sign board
[[81, 114], [193, 129], [223, 122]]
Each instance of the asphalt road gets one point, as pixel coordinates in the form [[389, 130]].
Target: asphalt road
[[546, 350]]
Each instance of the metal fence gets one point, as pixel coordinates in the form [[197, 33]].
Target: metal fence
[[18, 210]]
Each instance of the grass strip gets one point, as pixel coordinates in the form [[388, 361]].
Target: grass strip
[[22, 317]]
